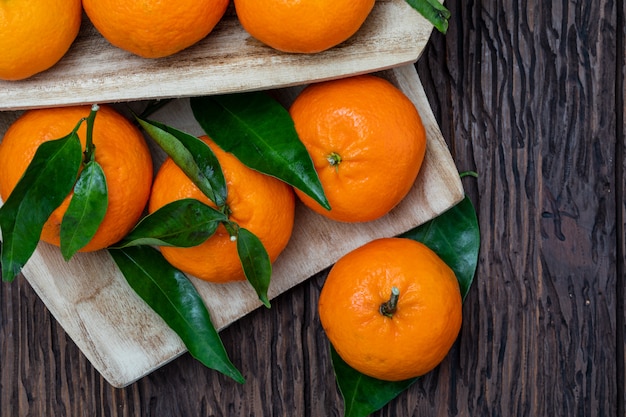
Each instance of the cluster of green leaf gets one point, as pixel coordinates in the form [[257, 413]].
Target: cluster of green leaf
[[252, 126], [49, 178], [260, 133]]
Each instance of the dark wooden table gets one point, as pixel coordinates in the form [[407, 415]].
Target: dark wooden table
[[530, 94]]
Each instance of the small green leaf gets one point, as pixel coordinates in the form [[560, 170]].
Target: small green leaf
[[48, 179], [193, 156], [183, 223], [464, 174], [261, 134], [363, 394], [256, 263], [455, 237], [90, 149], [433, 11], [173, 297], [86, 210]]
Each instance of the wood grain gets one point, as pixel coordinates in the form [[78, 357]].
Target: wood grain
[[226, 61], [528, 94], [125, 340], [620, 161], [531, 94]]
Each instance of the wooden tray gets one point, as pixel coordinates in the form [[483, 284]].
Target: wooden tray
[[125, 340], [228, 60]]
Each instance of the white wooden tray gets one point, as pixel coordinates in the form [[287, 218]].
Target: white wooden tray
[[227, 60], [125, 340]]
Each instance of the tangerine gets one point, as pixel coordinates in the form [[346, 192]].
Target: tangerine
[[35, 35], [367, 143], [154, 28], [121, 151], [262, 204], [391, 309], [303, 26]]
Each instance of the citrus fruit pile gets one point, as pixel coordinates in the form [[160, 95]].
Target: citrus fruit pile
[[391, 308], [36, 34], [364, 136]]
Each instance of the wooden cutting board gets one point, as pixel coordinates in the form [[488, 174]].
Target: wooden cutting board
[[227, 60], [125, 340]]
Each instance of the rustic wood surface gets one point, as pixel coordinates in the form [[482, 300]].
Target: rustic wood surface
[[530, 95]]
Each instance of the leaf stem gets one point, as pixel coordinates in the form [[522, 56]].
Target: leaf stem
[[233, 229], [389, 308], [468, 174], [90, 149], [153, 107]]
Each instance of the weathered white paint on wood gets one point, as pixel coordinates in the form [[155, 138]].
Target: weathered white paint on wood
[[227, 60]]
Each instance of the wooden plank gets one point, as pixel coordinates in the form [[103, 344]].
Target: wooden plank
[[228, 60], [530, 91], [125, 340], [620, 155]]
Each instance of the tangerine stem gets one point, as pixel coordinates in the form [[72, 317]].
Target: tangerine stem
[[334, 159], [389, 308], [90, 149], [233, 230]]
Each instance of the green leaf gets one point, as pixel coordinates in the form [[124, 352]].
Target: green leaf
[[433, 11], [363, 394], [455, 237], [193, 156], [48, 179], [173, 297], [154, 106], [183, 223], [261, 134], [256, 263], [86, 210], [90, 149]]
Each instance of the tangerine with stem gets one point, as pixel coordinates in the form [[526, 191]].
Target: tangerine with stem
[[391, 309], [120, 149], [262, 204], [367, 143]]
